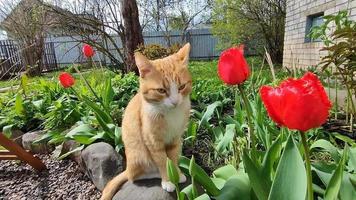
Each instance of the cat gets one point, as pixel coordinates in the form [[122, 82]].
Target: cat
[[155, 119]]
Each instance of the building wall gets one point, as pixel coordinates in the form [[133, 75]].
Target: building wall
[[297, 52]]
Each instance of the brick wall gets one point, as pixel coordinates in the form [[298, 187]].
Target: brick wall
[[297, 52]]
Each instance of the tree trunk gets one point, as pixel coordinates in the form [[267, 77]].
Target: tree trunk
[[133, 33], [33, 56]]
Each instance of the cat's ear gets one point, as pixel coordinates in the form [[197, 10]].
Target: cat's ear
[[183, 54], [143, 64]]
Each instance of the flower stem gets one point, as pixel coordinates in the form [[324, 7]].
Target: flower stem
[[307, 166], [249, 116], [91, 90]]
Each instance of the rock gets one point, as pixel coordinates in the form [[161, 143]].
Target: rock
[[102, 163], [149, 189], [30, 137], [16, 135], [69, 146]]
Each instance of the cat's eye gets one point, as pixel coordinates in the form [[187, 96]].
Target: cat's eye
[[161, 90], [181, 87]]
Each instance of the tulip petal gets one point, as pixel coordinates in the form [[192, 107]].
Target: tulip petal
[[299, 104], [272, 100], [66, 80], [232, 66], [88, 51]]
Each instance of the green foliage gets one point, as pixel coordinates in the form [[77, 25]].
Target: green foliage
[[256, 23], [124, 88], [274, 171], [338, 34], [229, 25], [290, 178]]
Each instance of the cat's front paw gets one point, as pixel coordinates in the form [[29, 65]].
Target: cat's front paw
[[168, 186], [182, 178]]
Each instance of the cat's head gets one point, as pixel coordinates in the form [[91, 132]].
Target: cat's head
[[165, 82]]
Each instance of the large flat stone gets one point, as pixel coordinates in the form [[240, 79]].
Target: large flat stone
[[149, 189]]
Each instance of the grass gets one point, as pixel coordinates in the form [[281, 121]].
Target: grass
[[199, 70], [15, 82], [48, 76]]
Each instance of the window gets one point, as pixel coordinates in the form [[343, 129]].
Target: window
[[313, 21]]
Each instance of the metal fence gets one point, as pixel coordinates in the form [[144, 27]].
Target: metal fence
[[12, 59], [68, 49]]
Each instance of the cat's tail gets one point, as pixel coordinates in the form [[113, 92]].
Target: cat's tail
[[113, 186]]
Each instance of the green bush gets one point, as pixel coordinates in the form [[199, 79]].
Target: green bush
[[156, 51]]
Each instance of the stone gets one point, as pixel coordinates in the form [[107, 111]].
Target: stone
[[102, 163], [37, 148], [16, 135], [69, 146], [149, 189]]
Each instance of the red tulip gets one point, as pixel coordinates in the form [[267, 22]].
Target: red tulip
[[66, 80], [88, 51], [232, 66], [300, 104]]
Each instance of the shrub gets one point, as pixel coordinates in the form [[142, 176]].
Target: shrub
[[156, 51], [153, 51], [338, 33]]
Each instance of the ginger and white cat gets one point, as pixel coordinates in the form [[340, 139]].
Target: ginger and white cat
[[155, 119]]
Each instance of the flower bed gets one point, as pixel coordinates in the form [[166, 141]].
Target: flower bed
[[233, 145]]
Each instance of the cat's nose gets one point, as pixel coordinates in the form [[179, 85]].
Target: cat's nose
[[175, 102]]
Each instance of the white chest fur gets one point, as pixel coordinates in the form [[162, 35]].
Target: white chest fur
[[176, 121]]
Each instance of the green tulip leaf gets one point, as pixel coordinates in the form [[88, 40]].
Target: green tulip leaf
[[353, 179], [219, 182], [324, 176], [333, 187], [7, 130], [324, 144], [259, 184], [290, 181], [348, 188], [83, 128], [203, 197], [188, 191], [271, 156], [225, 172], [97, 110], [172, 172], [352, 159], [237, 187], [84, 138], [19, 108], [227, 139], [208, 113], [70, 152], [200, 176], [108, 93]]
